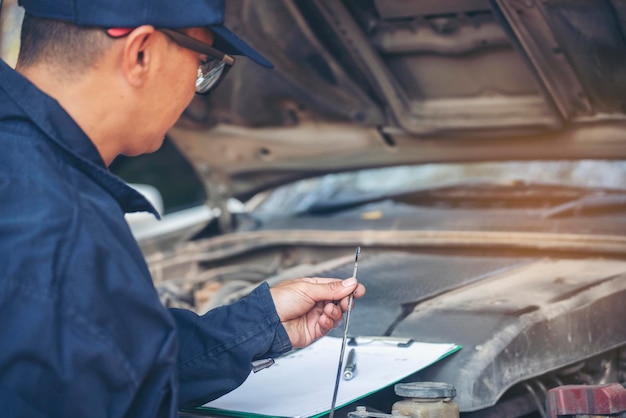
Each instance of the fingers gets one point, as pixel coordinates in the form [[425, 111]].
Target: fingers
[[331, 318], [309, 308], [324, 289], [327, 289], [358, 290], [333, 312], [343, 304], [326, 325]]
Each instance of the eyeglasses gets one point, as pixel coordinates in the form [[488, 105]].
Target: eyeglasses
[[213, 69], [210, 72]]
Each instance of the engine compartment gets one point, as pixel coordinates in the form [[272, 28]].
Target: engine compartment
[[526, 323]]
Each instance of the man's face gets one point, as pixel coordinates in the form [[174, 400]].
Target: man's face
[[173, 84]]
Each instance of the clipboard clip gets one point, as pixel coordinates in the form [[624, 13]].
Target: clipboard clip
[[397, 341], [258, 365]]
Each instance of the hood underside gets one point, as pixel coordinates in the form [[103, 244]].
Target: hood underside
[[391, 82]]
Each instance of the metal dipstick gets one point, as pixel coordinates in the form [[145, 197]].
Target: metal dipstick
[[345, 337]]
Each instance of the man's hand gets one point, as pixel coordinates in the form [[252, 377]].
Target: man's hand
[[308, 307]]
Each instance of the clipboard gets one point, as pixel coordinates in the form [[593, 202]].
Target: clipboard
[[300, 383]]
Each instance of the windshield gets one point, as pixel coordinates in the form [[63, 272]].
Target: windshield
[[298, 197]]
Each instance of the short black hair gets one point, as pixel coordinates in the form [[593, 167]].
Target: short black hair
[[61, 43]]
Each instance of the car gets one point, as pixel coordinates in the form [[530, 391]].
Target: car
[[475, 150]]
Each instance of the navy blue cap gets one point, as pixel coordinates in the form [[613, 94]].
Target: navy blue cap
[[171, 14]]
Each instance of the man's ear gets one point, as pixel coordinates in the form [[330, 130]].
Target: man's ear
[[137, 55]]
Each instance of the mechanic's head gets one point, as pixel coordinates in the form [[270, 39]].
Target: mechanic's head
[[143, 58]]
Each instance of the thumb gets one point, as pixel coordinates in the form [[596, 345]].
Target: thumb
[[331, 290]]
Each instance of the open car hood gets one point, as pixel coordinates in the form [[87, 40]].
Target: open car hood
[[390, 82]]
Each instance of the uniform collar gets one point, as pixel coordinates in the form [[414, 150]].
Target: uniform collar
[[57, 125]]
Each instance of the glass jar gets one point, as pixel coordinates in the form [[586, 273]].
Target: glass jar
[[426, 400]]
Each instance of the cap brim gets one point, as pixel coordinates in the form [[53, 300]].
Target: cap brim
[[230, 43]]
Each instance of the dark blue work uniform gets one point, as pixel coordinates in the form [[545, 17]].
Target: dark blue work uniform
[[82, 330]]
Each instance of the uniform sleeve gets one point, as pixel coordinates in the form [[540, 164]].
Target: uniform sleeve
[[216, 349]]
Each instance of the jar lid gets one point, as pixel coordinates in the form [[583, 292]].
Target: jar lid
[[428, 390]]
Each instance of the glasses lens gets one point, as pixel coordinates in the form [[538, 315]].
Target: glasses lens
[[209, 73]]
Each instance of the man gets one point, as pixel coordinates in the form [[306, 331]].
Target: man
[[82, 331]]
